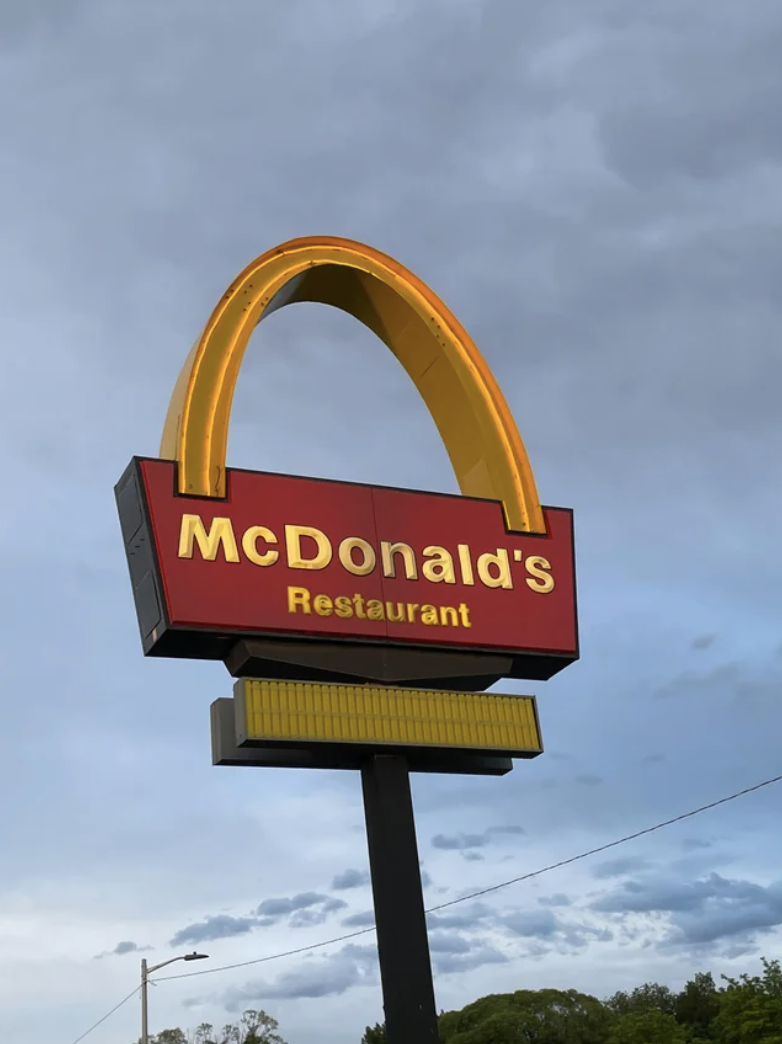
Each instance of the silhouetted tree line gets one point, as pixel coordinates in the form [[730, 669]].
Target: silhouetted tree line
[[747, 1010]]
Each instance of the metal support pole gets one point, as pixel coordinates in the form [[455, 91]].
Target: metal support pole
[[144, 1023], [403, 944]]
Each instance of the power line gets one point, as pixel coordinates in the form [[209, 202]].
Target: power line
[[107, 1015], [492, 888]]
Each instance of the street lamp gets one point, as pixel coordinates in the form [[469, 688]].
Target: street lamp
[[146, 972]]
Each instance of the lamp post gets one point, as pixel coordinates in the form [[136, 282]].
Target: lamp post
[[146, 972]]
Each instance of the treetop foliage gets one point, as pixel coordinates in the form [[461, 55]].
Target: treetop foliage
[[747, 1010]]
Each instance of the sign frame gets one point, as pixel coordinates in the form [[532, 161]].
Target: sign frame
[[289, 653]]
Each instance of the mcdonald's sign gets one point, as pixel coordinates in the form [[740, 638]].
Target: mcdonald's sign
[[285, 577]]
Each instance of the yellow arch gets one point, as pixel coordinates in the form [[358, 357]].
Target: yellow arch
[[449, 372]]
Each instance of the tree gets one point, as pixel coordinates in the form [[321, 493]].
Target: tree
[[529, 1017], [254, 1027], [751, 1007], [697, 1007], [647, 1027], [204, 1034], [649, 997], [747, 1010], [374, 1034]]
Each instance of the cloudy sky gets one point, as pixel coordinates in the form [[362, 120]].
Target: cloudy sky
[[593, 187]]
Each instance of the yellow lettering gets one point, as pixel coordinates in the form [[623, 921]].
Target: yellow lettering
[[439, 568], [538, 568], [501, 563], [221, 534], [296, 560], [465, 565], [387, 552], [343, 607], [250, 545], [346, 549], [299, 598]]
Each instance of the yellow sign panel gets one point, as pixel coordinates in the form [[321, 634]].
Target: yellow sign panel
[[308, 713]]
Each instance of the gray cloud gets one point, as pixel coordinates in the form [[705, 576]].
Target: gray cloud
[[313, 915], [619, 866], [364, 919], [700, 912], [221, 926], [321, 976], [457, 842], [548, 931], [283, 907], [465, 842], [128, 947], [702, 129], [461, 917], [123, 948], [350, 879], [557, 899], [538, 923], [448, 942], [589, 780], [752, 683], [703, 641], [448, 963], [304, 910]]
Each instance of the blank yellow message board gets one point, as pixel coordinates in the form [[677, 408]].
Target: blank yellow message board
[[377, 716]]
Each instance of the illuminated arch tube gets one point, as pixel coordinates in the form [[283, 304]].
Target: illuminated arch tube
[[451, 375], [335, 582]]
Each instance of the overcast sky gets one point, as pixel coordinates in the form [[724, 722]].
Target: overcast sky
[[593, 187]]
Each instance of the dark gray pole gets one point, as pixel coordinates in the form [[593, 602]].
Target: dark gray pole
[[403, 944]]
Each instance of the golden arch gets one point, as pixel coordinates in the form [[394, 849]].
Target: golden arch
[[446, 367]]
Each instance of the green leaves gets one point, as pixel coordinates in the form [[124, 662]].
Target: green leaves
[[747, 1010], [647, 1027], [374, 1035], [750, 1008], [528, 1017]]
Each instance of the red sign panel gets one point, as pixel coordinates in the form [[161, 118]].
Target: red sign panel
[[311, 559]]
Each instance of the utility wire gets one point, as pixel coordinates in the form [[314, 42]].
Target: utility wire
[[491, 888], [107, 1015]]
